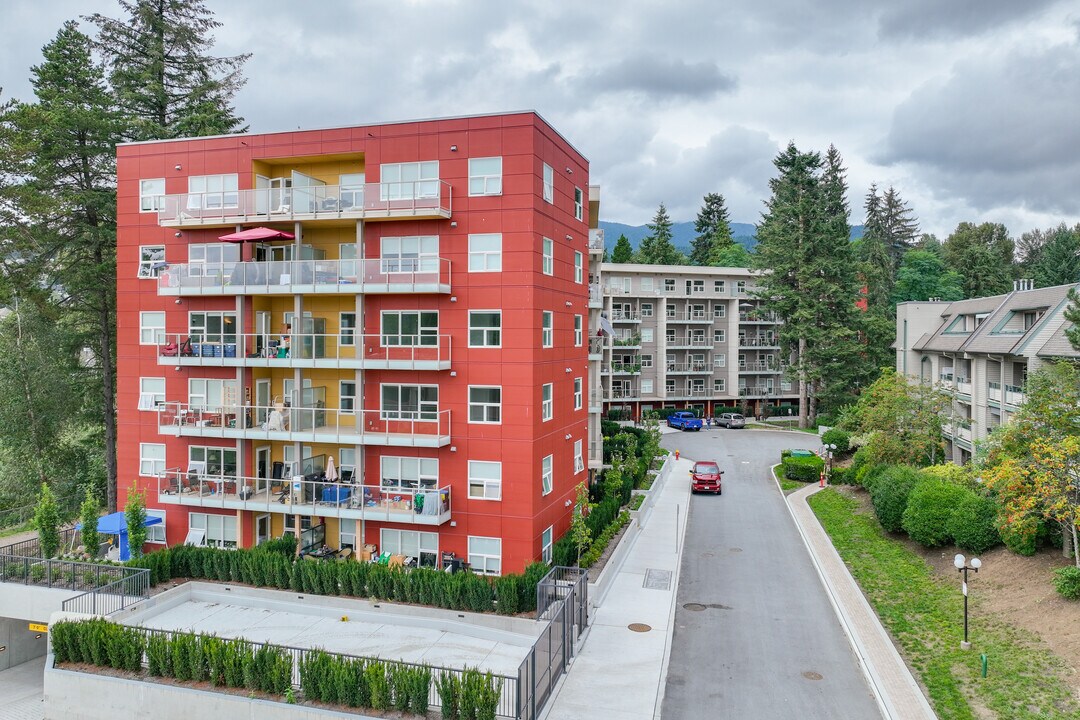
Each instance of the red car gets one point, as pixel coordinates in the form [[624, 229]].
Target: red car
[[705, 476]]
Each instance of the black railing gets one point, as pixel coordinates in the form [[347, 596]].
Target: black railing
[[110, 585], [31, 547], [562, 600], [112, 597]]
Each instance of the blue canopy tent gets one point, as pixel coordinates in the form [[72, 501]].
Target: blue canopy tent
[[116, 524]]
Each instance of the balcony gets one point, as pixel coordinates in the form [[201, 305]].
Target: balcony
[[758, 318], [757, 391], [688, 368], [622, 393], [596, 400], [762, 367], [761, 341], [619, 368], [689, 342], [364, 352], [627, 343], [625, 316], [1014, 396], [963, 386], [690, 317], [306, 424], [690, 393], [946, 379], [596, 296], [993, 392], [308, 277], [596, 348], [596, 241], [423, 199], [311, 498]]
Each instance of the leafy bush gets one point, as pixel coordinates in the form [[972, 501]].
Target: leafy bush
[[1067, 582], [867, 475], [589, 558], [842, 476], [890, 494], [956, 474], [609, 428], [928, 509], [1021, 535], [971, 523], [836, 436], [860, 459], [803, 469]]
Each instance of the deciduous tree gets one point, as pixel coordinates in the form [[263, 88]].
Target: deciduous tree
[[983, 257], [902, 420], [923, 275], [47, 522]]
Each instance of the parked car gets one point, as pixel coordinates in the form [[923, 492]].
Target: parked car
[[684, 420], [705, 477], [731, 420]]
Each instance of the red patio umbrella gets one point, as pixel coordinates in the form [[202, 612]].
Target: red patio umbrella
[[259, 233]]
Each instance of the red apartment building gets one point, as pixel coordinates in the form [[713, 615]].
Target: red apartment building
[[395, 354]]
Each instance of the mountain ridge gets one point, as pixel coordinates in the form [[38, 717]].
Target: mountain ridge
[[683, 234]]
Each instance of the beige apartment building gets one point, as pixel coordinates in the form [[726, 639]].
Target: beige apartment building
[[981, 352], [687, 337]]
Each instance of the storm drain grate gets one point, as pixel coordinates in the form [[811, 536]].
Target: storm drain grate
[[657, 579]]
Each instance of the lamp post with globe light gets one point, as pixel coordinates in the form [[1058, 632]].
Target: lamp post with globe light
[[960, 563]]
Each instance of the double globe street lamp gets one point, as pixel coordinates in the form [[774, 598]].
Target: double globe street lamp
[[960, 563]]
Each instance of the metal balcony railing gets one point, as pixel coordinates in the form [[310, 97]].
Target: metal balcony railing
[[688, 367], [625, 316], [751, 317], [762, 341]]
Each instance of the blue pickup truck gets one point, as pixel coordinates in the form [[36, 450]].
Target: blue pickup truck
[[684, 421]]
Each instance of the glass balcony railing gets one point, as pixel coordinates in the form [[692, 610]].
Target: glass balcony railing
[[418, 199], [596, 240], [596, 296], [688, 367], [307, 350], [1014, 395], [303, 496], [759, 341], [376, 275], [993, 391], [399, 428], [696, 316], [693, 341]]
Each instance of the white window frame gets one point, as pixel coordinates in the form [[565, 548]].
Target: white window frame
[[719, 286], [427, 410], [547, 541], [719, 385], [487, 562], [409, 254], [548, 252], [490, 412], [579, 267], [426, 335], [579, 203], [409, 180], [646, 361], [202, 390], [719, 335], [148, 323], [646, 335], [485, 180], [151, 197], [200, 333], [486, 333], [427, 543], [485, 480], [213, 192], [646, 284], [487, 258], [579, 330], [549, 184], [646, 386], [347, 401], [669, 285], [347, 329], [546, 474], [212, 259], [156, 533], [347, 533], [199, 457], [151, 261], [578, 384], [547, 329], [149, 464], [579, 461], [408, 473], [646, 310], [547, 404], [216, 529], [719, 312], [719, 360], [151, 393]]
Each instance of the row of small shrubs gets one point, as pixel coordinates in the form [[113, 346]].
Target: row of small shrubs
[[472, 695], [365, 683], [422, 586], [600, 543], [802, 469]]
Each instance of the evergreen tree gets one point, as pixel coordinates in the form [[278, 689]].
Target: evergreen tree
[[623, 252], [733, 255], [983, 257], [657, 248], [923, 275], [135, 520], [1072, 315], [47, 522], [713, 229], [898, 225], [167, 82], [1051, 257]]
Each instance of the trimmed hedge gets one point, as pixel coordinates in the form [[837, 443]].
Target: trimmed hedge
[[596, 549], [803, 469], [1067, 582], [929, 507], [890, 492], [971, 523]]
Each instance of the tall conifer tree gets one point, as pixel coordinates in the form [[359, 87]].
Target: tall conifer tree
[[713, 229], [657, 248]]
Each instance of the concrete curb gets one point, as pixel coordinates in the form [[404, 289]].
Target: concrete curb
[[662, 685]]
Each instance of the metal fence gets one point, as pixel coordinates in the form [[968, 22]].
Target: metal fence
[[31, 547], [105, 588], [112, 597]]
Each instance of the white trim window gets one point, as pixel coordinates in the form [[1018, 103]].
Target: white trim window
[[548, 251], [347, 533], [212, 259], [151, 261], [546, 403], [646, 335], [213, 192], [409, 402], [408, 473], [646, 361], [485, 252], [156, 533], [213, 462], [485, 480], [547, 334], [485, 328], [485, 555], [719, 336], [579, 331], [579, 462], [211, 393], [347, 396], [646, 310], [347, 329], [719, 385], [546, 475], [423, 547], [579, 267], [485, 404], [719, 286], [151, 393], [409, 181], [579, 203], [410, 328], [547, 540], [720, 360], [220, 529], [577, 393], [719, 312], [409, 254], [646, 386], [151, 195], [151, 459], [485, 176], [151, 328], [212, 327], [549, 184]]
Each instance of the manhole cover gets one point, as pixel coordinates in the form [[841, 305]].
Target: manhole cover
[[696, 607], [811, 675], [639, 627], [735, 550]]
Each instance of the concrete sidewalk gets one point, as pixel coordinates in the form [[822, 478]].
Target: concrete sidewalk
[[620, 673], [892, 683]]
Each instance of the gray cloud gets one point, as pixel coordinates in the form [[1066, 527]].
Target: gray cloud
[[660, 78], [921, 19]]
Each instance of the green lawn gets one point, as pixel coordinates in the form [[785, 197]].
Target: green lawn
[[925, 616]]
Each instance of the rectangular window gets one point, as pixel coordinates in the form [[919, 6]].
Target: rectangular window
[[720, 360], [579, 331], [485, 328], [408, 328], [719, 312], [485, 555], [351, 189], [485, 480], [579, 267], [155, 533], [669, 311], [719, 336], [485, 252], [740, 287], [646, 386], [485, 176], [485, 404], [347, 329], [695, 286], [212, 259], [646, 310], [546, 543], [579, 203], [347, 396], [151, 194], [646, 284], [646, 335], [213, 462], [545, 475], [151, 393], [409, 181], [151, 459], [669, 284], [548, 266], [546, 402], [546, 331], [151, 261], [422, 547], [719, 286], [213, 328], [579, 462], [549, 184], [409, 254], [408, 473], [669, 386], [347, 533], [211, 394], [151, 328], [646, 361], [577, 393], [213, 192], [410, 402], [220, 529]]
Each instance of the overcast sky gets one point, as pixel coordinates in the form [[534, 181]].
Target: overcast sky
[[971, 108]]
